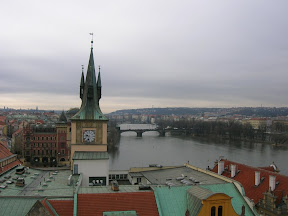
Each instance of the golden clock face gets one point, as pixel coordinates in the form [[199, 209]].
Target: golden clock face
[[89, 135]]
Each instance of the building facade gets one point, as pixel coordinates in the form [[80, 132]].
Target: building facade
[[47, 144]]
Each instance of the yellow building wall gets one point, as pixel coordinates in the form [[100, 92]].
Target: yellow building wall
[[77, 128], [77, 143], [217, 200]]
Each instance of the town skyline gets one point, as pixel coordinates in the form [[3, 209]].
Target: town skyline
[[164, 54]]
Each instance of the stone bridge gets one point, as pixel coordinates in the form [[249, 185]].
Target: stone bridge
[[161, 131]]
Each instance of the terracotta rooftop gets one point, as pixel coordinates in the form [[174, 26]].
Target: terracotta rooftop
[[4, 151], [62, 207], [44, 203], [9, 166], [246, 176], [95, 204]]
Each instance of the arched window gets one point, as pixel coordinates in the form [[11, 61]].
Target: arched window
[[213, 211], [220, 210]]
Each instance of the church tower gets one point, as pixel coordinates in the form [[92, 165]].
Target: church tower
[[89, 131]]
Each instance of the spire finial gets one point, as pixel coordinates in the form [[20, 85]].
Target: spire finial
[[99, 68], [82, 68], [91, 40]]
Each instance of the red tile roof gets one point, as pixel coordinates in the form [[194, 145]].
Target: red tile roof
[[9, 166], [4, 151], [95, 204], [246, 177], [44, 203], [2, 118], [3, 142], [62, 207]]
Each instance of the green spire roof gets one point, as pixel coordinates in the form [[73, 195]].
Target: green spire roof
[[90, 99], [62, 118]]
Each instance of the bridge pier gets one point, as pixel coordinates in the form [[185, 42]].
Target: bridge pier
[[139, 133], [162, 133]]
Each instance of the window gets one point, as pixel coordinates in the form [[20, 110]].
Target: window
[[62, 145], [220, 210], [47, 152], [42, 152], [27, 152], [38, 152], [97, 181], [213, 211], [55, 152], [34, 152], [75, 169], [139, 180], [55, 145], [62, 151]]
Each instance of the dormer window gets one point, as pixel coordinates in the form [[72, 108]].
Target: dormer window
[[213, 211]]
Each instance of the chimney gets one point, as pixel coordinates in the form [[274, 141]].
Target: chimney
[[220, 167], [272, 180], [233, 170], [257, 178]]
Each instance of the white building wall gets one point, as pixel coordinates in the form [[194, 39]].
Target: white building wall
[[92, 168], [133, 180]]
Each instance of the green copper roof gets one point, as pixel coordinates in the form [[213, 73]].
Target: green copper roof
[[177, 199], [62, 118], [230, 190], [81, 155], [90, 93], [171, 200], [16, 206]]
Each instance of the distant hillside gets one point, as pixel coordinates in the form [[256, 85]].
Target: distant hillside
[[245, 111], [165, 111]]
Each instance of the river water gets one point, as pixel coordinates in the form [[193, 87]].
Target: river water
[[201, 152]]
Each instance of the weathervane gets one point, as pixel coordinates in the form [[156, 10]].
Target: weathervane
[[92, 39]]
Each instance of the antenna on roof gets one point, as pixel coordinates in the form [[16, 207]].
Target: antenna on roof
[[91, 40]]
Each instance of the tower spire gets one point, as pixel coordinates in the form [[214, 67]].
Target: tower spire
[[91, 40], [90, 92]]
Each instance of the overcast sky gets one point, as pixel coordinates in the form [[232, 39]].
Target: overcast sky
[[157, 53]]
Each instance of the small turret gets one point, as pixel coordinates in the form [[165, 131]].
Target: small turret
[[99, 86], [62, 118], [82, 84]]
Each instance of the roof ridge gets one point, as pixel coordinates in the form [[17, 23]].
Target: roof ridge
[[255, 168]]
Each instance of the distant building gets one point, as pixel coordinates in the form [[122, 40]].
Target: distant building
[[47, 144], [256, 122]]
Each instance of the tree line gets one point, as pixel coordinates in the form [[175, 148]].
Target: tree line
[[277, 133]]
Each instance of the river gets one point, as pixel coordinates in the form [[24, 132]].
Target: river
[[201, 152]]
